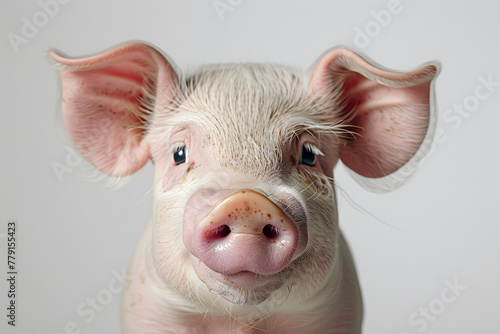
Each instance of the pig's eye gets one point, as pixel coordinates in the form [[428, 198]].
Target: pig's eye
[[180, 155], [308, 155]]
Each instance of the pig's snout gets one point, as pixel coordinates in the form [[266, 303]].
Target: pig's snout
[[246, 232]]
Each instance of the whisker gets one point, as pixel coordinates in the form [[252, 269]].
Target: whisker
[[359, 208]]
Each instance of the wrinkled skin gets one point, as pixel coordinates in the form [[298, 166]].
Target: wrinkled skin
[[244, 236]]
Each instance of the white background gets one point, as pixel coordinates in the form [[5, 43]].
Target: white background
[[443, 224]]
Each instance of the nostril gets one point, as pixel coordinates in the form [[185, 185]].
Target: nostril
[[220, 232], [270, 231]]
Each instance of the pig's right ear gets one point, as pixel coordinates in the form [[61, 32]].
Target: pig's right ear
[[106, 102]]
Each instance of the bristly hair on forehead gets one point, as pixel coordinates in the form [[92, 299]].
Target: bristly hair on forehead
[[251, 108]]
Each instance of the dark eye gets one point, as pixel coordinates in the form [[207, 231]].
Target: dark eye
[[307, 156], [180, 155]]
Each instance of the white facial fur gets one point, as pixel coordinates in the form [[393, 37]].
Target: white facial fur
[[252, 119]]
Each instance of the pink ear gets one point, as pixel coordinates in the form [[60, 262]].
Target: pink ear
[[107, 99], [388, 110]]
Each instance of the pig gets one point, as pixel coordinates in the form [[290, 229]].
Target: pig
[[244, 236]]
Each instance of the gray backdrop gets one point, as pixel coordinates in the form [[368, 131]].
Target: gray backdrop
[[75, 237]]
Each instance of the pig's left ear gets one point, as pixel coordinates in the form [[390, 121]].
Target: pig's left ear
[[389, 111], [107, 99]]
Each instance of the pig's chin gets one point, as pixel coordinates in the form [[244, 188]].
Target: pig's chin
[[244, 287]]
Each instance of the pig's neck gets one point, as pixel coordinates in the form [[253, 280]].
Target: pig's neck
[[336, 308]]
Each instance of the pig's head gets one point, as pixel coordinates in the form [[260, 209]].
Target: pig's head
[[244, 198]]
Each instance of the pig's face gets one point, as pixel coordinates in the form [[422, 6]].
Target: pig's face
[[244, 201], [245, 155]]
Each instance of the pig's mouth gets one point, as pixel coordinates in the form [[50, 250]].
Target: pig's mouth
[[246, 279], [244, 287], [249, 288]]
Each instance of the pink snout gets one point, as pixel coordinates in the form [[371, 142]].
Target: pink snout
[[246, 232]]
